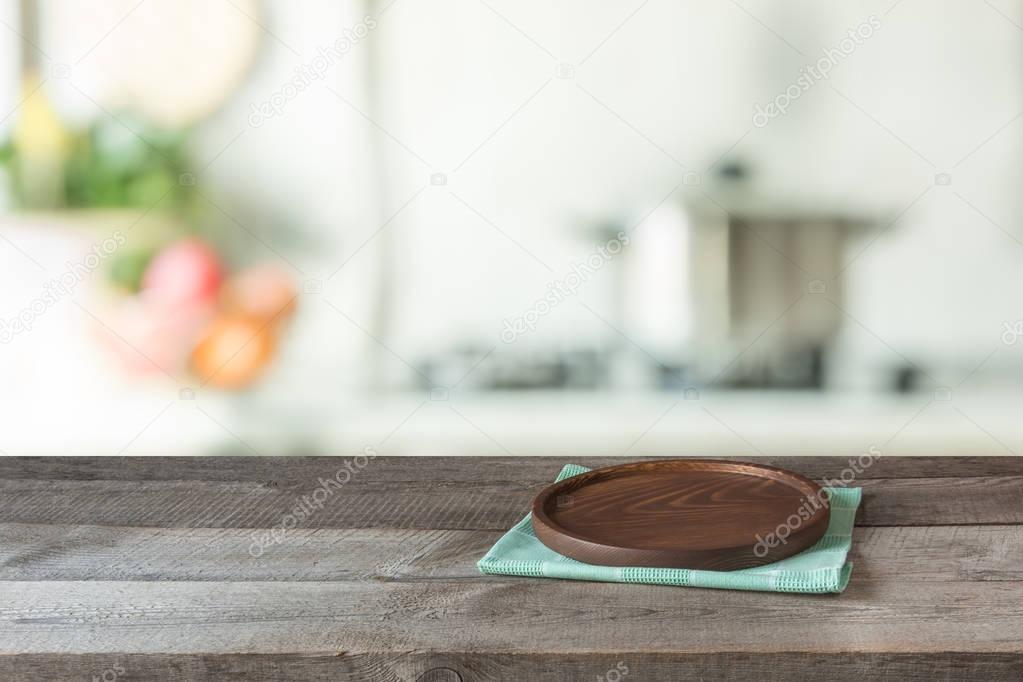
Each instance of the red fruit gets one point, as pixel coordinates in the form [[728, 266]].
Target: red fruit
[[184, 273]]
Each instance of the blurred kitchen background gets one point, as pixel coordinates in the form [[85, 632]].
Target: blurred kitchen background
[[490, 227]]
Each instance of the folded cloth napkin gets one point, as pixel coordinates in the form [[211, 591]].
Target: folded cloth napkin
[[821, 568]]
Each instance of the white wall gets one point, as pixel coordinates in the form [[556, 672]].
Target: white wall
[[939, 79], [674, 80]]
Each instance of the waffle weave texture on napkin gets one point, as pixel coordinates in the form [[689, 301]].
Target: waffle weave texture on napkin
[[819, 569]]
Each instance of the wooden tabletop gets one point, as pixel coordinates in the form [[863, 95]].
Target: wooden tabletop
[[190, 569]]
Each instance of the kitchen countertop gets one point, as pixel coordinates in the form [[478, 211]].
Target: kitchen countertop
[[149, 567], [644, 424], [520, 423]]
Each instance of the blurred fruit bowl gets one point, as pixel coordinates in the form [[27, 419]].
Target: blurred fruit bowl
[[181, 310], [158, 302]]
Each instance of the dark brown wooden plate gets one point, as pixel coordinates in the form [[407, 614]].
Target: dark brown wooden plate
[[682, 513]]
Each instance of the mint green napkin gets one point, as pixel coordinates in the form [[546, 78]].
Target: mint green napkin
[[821, 568]]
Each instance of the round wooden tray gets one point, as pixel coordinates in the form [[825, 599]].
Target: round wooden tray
[[682, 513]]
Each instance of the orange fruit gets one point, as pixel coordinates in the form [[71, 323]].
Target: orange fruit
[[234, 352]]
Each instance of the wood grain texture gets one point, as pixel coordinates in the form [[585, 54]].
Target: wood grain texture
[[146, 564], [470, 505], [681, 513], [540, 616], [428, 667], [529, 470], [31, 552], [34, 552]]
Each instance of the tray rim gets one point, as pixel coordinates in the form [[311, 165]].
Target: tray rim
[[543, 524]]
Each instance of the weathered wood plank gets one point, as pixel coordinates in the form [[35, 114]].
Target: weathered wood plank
[[36, 552], [364, 503], [528, 470], [461, 667], [381, 583], [525, 616], [190, 504], [924, 553]]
